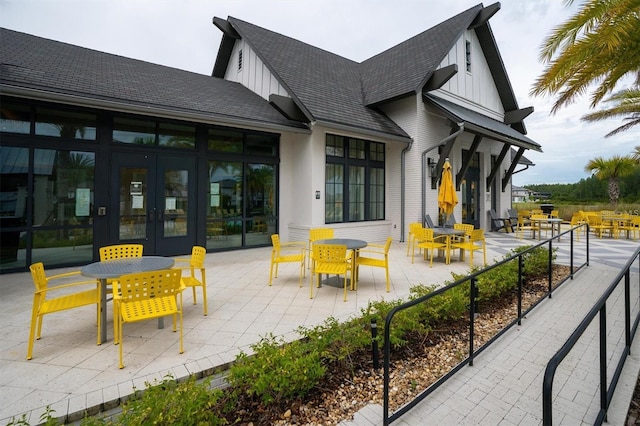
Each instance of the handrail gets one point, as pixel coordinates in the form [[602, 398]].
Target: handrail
[[472, 278], [599, 309]]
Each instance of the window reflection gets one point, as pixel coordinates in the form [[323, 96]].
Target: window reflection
[[134, 131], [65, 124], [63, 184], [15, 117]]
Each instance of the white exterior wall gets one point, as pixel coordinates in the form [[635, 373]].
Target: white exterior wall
[[254, 74], [311, 171]]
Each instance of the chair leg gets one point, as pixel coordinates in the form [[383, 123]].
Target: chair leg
[[345, 286], [34, 319], [193, 288], [119, 343], [204, 296]]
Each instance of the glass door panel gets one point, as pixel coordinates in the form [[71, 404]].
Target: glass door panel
[[133, 203]]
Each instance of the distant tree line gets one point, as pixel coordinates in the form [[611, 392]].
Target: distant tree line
[[592, 189]]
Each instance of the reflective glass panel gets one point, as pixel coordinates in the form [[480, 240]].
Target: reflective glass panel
[[139, 132], [60, 246], [224, 207], [356, 193], [176, 202], [15, 117], [63, 184], [225, 140], [14, 168], [133, 203], [65, 124], [259, 144], [334, 196], [261, 185], [177, 136], [335, 146], [376, 194]]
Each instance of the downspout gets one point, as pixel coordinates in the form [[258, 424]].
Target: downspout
[[424, 168], [402, 188]]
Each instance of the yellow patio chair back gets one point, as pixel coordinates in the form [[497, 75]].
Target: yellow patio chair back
[[330, 259], [598, 226], [427, 242], [316, 234], [88, 294], [147, 295], [292, 252], [119, 251], [411, 238], [197, 276], [376, 255], [476, 242], [524, 224], [466, 227]]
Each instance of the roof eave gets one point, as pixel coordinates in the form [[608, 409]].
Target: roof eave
[[145, 109]]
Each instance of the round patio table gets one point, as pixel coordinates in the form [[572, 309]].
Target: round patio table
[[448, 233], [115, 268]]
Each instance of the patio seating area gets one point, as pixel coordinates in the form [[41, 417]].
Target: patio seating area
[[71, 374]]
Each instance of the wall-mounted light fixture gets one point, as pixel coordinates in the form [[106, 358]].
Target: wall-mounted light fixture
[[432, 165]]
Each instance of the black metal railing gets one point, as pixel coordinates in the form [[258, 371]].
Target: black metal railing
[[599, 310], [471, 281]]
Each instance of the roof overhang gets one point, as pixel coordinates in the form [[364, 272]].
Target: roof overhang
[[480, 124], [148, 110]]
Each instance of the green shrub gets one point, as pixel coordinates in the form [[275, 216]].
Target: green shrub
[[171, 403], [277, 371]]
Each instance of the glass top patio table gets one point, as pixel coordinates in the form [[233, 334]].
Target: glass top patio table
[[116, 268]]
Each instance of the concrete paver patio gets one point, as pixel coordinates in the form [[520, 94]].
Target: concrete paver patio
[[71, 374]]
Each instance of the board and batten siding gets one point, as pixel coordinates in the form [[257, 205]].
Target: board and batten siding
[[254, 74], [475, 90]]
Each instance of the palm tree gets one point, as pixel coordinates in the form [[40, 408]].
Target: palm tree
[[635, 155], [626, 105], [611, 170], [597, 47]]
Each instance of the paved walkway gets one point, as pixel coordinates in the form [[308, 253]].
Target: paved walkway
[[71, 374]]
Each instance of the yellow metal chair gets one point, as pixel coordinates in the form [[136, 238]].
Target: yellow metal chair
[[147, 295], [411, 238], [477, 236], [43, 305], [599, 226], [428, 242], [376, 255], [285, 253], [119, 251], [197, 276], [524, 224], [316, 234], [330, 259]]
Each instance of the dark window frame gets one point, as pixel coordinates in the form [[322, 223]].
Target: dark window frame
[[348, 153]]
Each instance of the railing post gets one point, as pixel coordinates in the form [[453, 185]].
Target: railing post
[[374, 343], [571, 255], [550, 266], [472, 315], [627, 309], [587, 244], [603, 358], [520, 280]]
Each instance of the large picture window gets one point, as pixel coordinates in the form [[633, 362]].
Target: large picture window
[[354, 180]]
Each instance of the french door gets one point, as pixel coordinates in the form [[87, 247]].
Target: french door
[[153, 202], [471, 191]]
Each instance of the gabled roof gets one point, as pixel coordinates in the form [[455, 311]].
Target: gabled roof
[[46, 69], [332, 89], [403, 69], [325, 86]]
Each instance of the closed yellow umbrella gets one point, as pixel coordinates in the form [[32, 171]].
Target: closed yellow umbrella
[[447, 197]]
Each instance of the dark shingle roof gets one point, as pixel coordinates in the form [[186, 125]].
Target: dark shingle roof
[[404, 68], [114, 82], [325, 86], [483, 124]]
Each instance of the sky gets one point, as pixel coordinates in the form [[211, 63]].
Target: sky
[[180, 34]]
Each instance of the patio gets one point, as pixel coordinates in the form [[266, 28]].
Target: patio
[[71, 374]]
